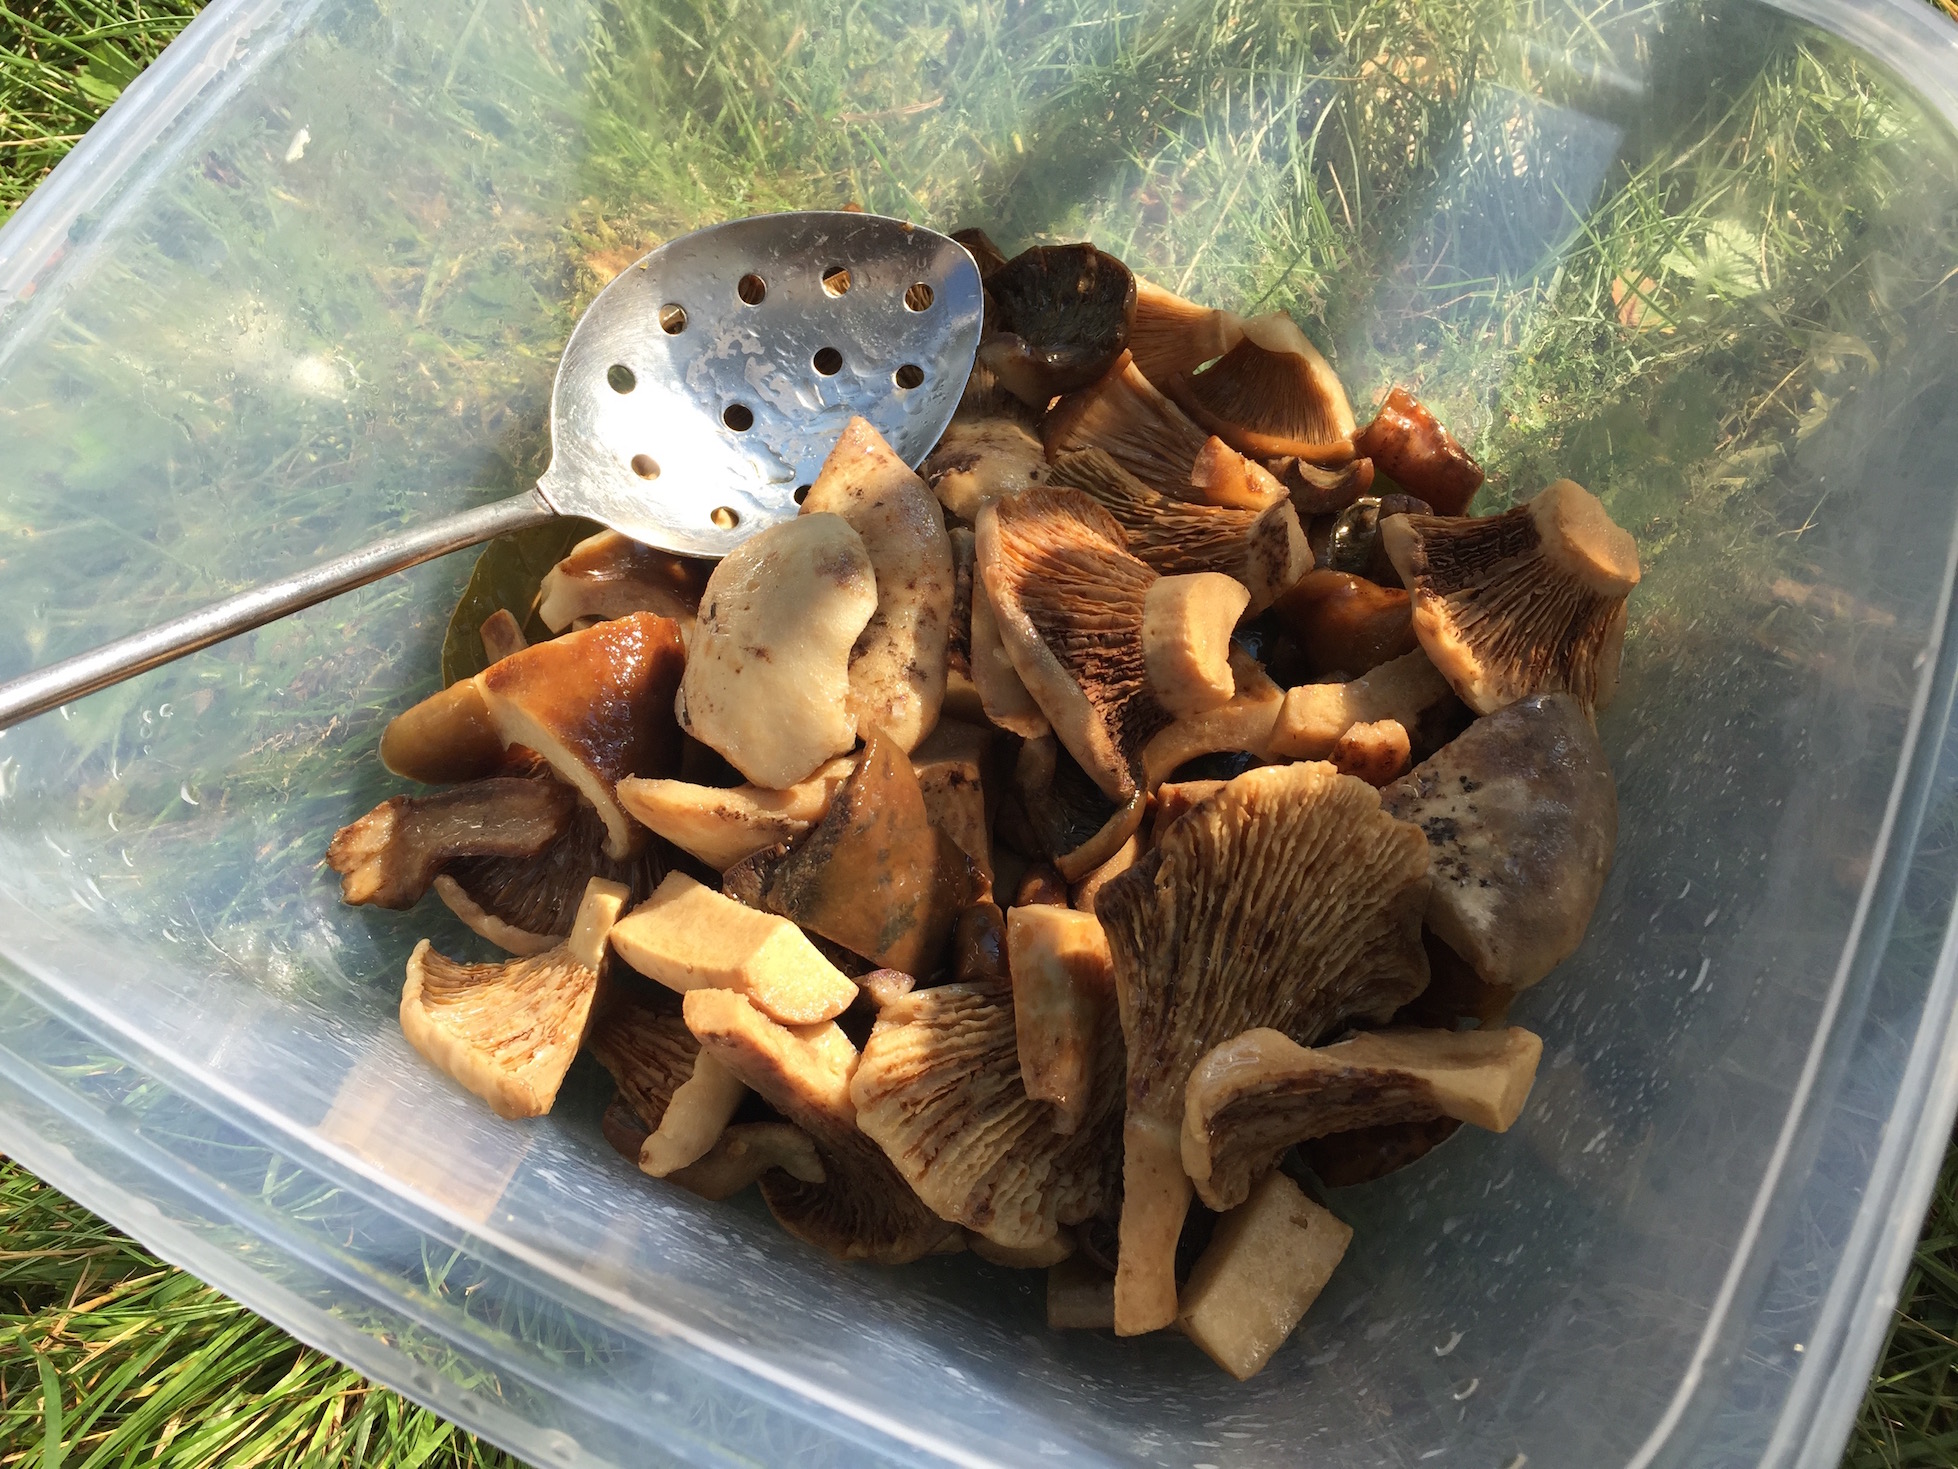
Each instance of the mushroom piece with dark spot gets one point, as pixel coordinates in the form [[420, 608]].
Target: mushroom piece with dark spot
[[990, 448], [526, 904], [1061, 316], [681, 1095]]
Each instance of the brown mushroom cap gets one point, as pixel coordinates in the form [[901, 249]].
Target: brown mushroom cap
[[862, 1209], [1522, 816], [446, 739], [1257, 1094], [1272, 395], [1531, 601], [1124, 416], [526, 904], [985, 254], [1172, 335], [682, 1097], [1322, 489], [939, 1088], [609, 575], [508, 1032], [1264, 550], [1346, 624], [1222, 476], [391, 855], [1074, 824], [1288, 899], [1406, 442], [1061, 316]]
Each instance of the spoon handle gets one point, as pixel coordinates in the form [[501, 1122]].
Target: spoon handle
[[50, 687]]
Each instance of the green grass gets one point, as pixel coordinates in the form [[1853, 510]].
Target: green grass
[[1700, 320]]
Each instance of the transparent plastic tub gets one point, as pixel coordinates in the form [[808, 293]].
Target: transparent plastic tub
[[307, 282]]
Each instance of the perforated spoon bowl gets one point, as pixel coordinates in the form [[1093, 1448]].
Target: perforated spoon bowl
[[695, 402]]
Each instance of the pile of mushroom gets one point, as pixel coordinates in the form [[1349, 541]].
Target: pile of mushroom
[[1115, 838]]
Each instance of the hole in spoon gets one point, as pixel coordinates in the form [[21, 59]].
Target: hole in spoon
[[673, 318], [836, 280], [829, 361], [645, 466], [801, 493], [909, 375], [621, 378], [739, 417], [918, 297], [752, 289], [726, 518]]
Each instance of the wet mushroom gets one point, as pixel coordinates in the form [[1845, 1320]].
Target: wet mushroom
[[1321, 489], [446, 739], [990, 448], [526, 904], [1346, 624], [1376, 753], [1244, 725], [1222, 476], [1421, 456], [743, 1153], [1003, 695], [609, 575], [861, 1209], [1316, 715], [1271, 396], [680, 1094], [1256, 1095], [1172, 336], [1061, 315], [501, 635], [985, 254], [1124, 416], [950, 768], [390, 856], [768, 667], [508, 1032], [1084, 892], [1074, 825], [1288, 899], [1521, 813], [722, 826], [1063, 1001], [1353, 544], [1531, 601], [1186, 639]]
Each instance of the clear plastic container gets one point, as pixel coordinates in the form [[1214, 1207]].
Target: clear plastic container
[[307, 282]]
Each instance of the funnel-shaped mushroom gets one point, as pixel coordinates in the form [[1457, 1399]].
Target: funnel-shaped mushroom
[[861, 1209], [681, 1095], [1531, 601], [1256, 1095], [1421, 456], [722, 826], [609, 575], [508, 1032], [897, 665], [527, 904], [939, 1089], [1288, 899], [1126, 418], [1060, 316], [1173, 336], [391, 855], [1522, 816], [1265, 550], [990, 448], [1271, 396]]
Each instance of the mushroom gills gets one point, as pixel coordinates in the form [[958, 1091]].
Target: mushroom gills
[[1271, 395], [1172, 335], [1124, 416], [390, 856], [683, 1098], [525, 905]]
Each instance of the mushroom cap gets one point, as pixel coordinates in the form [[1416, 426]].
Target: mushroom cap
[[897, 664], [1124, 416], [862, 1209], [1316, 715], [1531, 601], [985, 254], [1068, 601], [1061, 316], [1347, 624], [768, 666], [1265, 550], [1421, 456], [611, 575], [1272, 395], [594, 705], [723, 826], [683, 1098], [1257, 1094], [527, 904], [508, 1032], [446, 739], [951, 771], [980, 458], [1321, 489], [1071, 820], [1522, 815], [391, 855], [939, 1089], [1172, 335]]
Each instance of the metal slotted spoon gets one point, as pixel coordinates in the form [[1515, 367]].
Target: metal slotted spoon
[[694, 404]]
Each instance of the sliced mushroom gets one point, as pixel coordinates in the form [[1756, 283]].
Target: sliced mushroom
[[1222, 476], [1421, 456], [1322, 489], [1531, 601], [861, 1209], [446, 739], [1061, 315], [1136, 426], [875, 875], [950, 767], [1375, 753], [1264, 550], [690, 937], [1346, 624], [1003, 695], [1264, 1267], [962, 699], [1178, 798], [527, 904], [1172, 335], [1315, 715], [1069, 604], [746, 1151], [897, 666], [1243, 725], [1346, 1159], [1186, 639], [594, 705], [990, 448], [1288, 899], [1272, 395], [939, 1088], [1522, 816], [1072, 822], [391, 855], [609, 575], [1063, 1002], [721, 827], [768, 667], [508, 1032], [681, 1095], [1257, 1094], [501, 635], [881, 986]]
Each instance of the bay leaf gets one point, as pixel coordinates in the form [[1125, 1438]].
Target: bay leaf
[[507, 576]]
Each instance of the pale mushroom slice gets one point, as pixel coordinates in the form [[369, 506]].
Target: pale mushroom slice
[[1407, 443], [610, 575], [1272, 395], [1069, 603], [390, 856], [1265, 550], [1531, 601], [681, 1095], [1522, 815], [1186, 639], [1063, 1003], [594, 705], [1376, 753], [1288, 899], [1126, 418], [1059, 315], [1003, 695], [1263, 1268], [939, 1088], [527, 904], [768, 666], [898, 661], [1241, 726], [1316, 715], [1172, 335], [990, 448], [687, 937], [723, 826], [746, 1151], [861, 1209], [1259, 1093], [508, 1032]]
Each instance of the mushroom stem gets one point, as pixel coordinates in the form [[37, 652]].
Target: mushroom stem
[[1156, 1195], [701, 1108], [1186, 639]]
